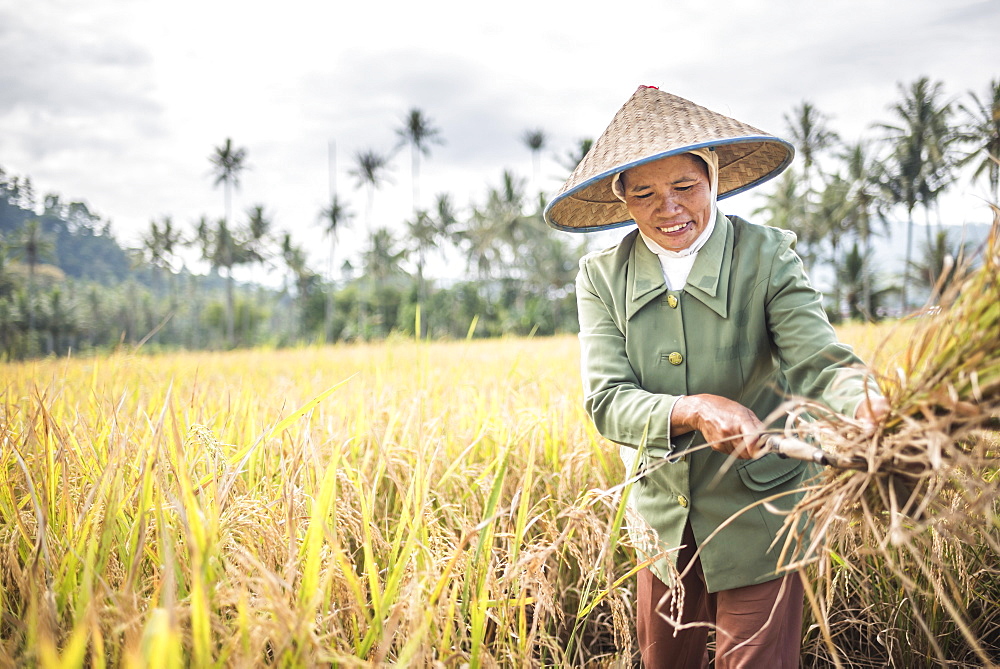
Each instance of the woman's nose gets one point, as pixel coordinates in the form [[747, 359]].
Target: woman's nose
[[669, 202]]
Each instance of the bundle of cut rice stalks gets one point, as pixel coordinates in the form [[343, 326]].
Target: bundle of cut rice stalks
[[904, 541]]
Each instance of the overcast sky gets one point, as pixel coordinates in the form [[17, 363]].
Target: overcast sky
[[120, 103]]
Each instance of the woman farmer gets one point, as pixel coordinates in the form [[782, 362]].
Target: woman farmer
[[695, 328]]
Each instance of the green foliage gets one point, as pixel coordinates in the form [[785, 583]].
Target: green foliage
[[856, 277], [248, 315], [863, 186], [982, 131]]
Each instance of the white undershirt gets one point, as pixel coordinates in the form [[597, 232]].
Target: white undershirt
[[676, 265]]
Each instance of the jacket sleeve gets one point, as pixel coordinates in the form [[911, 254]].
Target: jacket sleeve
[[814, 363], [620, 408]]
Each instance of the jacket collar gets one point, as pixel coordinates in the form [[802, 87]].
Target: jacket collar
[[704, 283]]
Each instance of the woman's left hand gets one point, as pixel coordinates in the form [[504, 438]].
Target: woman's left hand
[[872, 410]]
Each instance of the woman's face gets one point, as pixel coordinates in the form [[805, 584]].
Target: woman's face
[[670, 199]]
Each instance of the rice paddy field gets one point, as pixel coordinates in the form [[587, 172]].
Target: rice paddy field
[[399, 504]]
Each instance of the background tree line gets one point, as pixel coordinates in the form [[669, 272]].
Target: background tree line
[[841, 195], [66, 284]]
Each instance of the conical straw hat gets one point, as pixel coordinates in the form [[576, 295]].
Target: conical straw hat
[[654, 124]]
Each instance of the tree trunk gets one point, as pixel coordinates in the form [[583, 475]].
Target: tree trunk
[[330, 304], [838, 297], [866, 280], [230, 307], [906, 266]]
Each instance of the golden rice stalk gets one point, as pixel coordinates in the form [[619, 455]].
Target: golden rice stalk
[[922, 509], [944, 394]]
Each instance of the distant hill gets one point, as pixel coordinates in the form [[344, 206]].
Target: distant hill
[[84, 246]]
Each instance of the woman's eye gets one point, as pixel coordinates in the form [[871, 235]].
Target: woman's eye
[[643, 196], [683, 188]]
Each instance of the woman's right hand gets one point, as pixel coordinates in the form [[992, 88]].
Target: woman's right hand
[[728, 426]]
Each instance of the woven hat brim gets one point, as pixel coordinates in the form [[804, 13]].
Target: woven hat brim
[[653, 125]]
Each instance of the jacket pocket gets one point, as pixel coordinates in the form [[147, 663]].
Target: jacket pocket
[[769, 471]]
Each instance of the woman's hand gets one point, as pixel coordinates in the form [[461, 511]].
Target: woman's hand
[[872, 410], [728, 426]]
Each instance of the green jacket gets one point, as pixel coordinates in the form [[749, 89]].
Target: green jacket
[[747, 326]]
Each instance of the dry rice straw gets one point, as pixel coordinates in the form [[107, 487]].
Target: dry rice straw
[[927, 500]]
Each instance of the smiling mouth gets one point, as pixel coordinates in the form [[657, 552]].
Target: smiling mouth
[[673, 228]]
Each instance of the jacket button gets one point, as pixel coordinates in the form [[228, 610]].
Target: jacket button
[[682, 500], [675, 358], [672, 301]]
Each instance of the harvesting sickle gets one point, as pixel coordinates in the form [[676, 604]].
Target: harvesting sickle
[[692, 328], [790, 447]]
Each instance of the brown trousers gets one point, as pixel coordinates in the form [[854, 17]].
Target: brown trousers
[[756, 627]]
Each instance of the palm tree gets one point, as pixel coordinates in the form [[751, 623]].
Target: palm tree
[[863, 207], [831, 220], [221, 249], [253, 248], [370, 173], [855, 278], [150, 247], [6, 279], [938, 265], [10, 333], [302, 276], [807, 127], [919, 165], [382, 260], [171, 238], [203, 239], [256, 238], [427, 230], [422, 231], [482, 244], [62, 326], [333, 216], [32, 245], [572, 158], [786, 207], [228, 163], [159, 247], [159, 244], [982, 129], [551, 266], [506, 206], [496, 230], [225, 254], [202, 242], [535, 141], [417, 131], [445, 215]]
